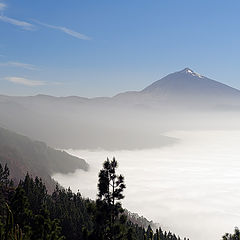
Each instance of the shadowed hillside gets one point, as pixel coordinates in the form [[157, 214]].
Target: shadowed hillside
[[24, 155]]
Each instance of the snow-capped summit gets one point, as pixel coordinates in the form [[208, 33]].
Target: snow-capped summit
[[189, 71]]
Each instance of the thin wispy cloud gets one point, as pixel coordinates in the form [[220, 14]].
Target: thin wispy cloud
[[65, 30], [19, 64], [24, 25], [29, 26], [25, 81], [57, 83], [2, 6]]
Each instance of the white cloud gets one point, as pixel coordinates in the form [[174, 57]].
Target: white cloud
[[25, 81], [2, 6], [19, 23], [66, 30], [19, 64]]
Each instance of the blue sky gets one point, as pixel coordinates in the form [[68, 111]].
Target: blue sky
[[100, 48]]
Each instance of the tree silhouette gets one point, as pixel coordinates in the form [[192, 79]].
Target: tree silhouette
[[110, 192], [235, 236]]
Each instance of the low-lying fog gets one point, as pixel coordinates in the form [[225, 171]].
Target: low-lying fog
[[191, 188]]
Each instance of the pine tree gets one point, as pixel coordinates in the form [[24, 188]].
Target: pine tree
[[110, 192], [9, 230], [4, 174]]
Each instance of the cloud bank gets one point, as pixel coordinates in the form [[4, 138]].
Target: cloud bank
[[187, 187]]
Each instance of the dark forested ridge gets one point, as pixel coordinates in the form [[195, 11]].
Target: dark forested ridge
[[29, 212], [140, 220], [24, 155]]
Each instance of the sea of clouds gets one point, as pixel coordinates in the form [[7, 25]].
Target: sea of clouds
[[191, 188]]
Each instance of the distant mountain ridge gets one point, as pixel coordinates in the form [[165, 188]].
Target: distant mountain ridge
[[128, 120], [185, 85]]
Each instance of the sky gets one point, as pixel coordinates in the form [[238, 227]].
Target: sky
[[100, 48]]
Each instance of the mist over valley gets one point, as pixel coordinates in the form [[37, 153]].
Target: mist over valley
[[185, 187]]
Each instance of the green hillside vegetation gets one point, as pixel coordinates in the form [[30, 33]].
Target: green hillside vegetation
[[25, 155]]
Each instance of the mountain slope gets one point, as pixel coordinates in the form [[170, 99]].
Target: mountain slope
[[24, 155], [184, 90], [191, 83]]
